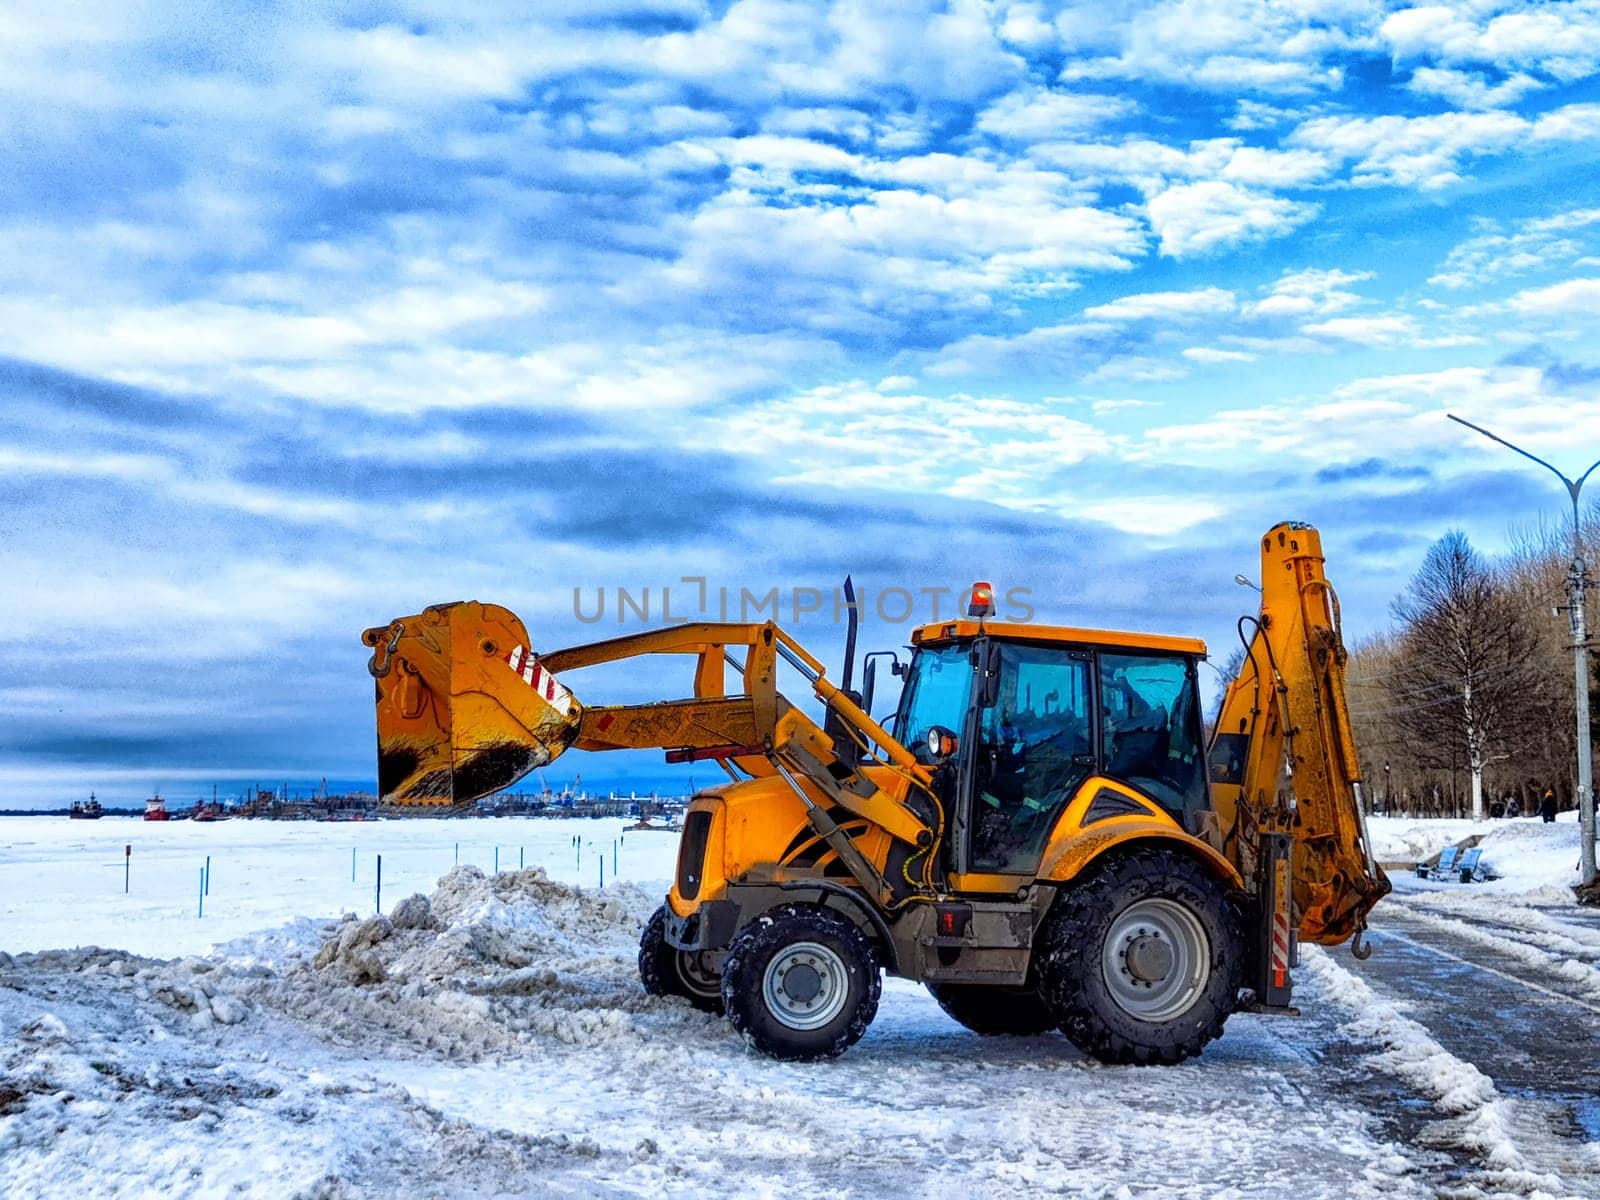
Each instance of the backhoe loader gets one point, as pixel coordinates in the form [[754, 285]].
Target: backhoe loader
[[1039, 834]]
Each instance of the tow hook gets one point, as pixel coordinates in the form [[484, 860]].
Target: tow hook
[[1361, 952]]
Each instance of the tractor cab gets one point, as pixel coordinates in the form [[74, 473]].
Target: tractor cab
[[1017, 718]]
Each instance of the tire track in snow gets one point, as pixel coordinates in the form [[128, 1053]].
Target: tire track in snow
[[1530, 925], [1586, 980], [1502, 1057], [1474, 1115]]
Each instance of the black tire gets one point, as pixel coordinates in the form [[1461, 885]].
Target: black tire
[[801, 983], [1176, 941], [667, 971], [995, 1011]]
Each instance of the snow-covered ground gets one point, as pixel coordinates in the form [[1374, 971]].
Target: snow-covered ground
[[495, 1040], [1525, 854], [61, 881]]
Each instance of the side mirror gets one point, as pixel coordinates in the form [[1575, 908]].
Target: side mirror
[[869, 678], [941, 743]]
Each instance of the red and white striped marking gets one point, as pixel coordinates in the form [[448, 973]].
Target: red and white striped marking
[[540, 680], [1280, 926]]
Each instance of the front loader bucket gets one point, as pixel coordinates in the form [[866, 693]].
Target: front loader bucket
[[464, 708]]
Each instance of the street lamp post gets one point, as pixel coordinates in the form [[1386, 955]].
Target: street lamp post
[[1580, 654]]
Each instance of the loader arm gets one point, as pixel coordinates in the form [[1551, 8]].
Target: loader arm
[[1283, 759], [465, 708]]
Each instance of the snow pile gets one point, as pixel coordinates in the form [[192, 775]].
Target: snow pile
[[1526, 854], [1401, 840], [130, 1077], [1529, 854], [484, 964]]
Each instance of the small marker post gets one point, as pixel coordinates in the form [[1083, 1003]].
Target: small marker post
[[377, 899], [201, 911], [458, 854], [127, 866], [208, 875], [352, 864], [602, 870], [497, 860], [613, 858], [520, 862]]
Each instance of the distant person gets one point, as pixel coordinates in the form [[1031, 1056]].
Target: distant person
[[1496, 810], [1513, 807], [1547, 806]]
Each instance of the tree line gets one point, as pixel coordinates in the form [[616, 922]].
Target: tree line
[[1466, 706]]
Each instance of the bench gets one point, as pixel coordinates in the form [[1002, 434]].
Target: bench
[[1471, 866], [1443, 869]]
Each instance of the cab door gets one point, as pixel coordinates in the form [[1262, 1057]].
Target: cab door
[[1031, 745]]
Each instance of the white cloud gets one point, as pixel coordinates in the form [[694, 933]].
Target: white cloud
[[1164, 306], [1136, 368], [1558, 240], [1154, 516], [1041, 115], [1470, 90], [1424, 152], [1251, 45], [1367, 331], [1250, 115], [961, 445], [1311, 292], [1575, 297], [1044, 350], [1194, 218], [1562, 40], [1404, 414], [1209, 355]]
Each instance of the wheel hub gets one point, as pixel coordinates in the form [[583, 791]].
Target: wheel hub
[[1156, 959], [802, 983], [1149, 958], [806, 985]]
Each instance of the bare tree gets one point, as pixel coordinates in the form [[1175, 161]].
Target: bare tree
[[1464, 671]]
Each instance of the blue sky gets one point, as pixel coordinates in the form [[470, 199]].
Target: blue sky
[[312, 315]]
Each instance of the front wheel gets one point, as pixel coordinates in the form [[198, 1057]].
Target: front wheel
[[801, 983], [1141, 962], [667, 971]]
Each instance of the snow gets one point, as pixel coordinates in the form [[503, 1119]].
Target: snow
[[61, 881], [487, 1035], [1527, 854]]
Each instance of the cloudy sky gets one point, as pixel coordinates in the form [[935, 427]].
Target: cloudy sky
[[314, 314]]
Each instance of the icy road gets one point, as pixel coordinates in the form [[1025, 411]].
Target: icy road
[[495, 1041]]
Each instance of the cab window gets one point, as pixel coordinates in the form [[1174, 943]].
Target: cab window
[[1150, 727], [936, 693]]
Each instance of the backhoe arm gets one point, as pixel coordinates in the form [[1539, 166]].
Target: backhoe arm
[[1283, 759]]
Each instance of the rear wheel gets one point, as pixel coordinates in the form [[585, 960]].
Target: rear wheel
[[1141, 962], [667, 971], [801, 983], [990, 1011]]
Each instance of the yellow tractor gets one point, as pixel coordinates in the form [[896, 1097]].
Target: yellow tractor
[[1040, 835]]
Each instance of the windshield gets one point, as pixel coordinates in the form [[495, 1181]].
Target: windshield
[[938, 689]]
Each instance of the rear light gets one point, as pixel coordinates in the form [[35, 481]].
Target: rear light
[[951, 920]]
